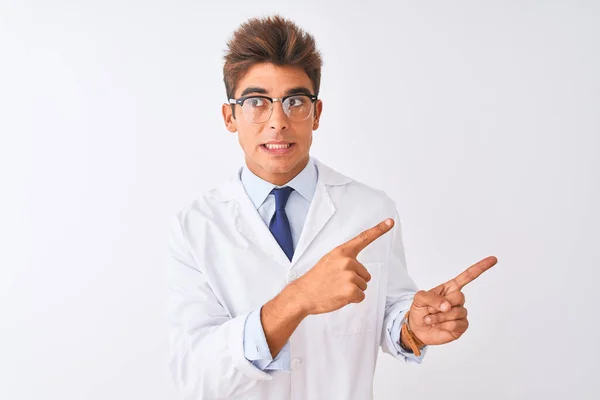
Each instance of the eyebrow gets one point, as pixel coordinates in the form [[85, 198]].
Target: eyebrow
[[253, 90], [294, 90], [299, 90]]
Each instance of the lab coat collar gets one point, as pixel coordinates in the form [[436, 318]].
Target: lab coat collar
[[249, 223]]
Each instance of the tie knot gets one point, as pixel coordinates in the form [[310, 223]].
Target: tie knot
[[281, 196]]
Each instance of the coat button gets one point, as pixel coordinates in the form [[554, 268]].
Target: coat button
[[292, 276], [296, 363]]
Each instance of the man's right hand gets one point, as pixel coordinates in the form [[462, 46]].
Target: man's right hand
[[338, 279]]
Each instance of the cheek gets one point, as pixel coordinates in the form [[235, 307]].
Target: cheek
[[248, 136], [304, 135]]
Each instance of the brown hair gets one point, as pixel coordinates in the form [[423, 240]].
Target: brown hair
[[274, 40]]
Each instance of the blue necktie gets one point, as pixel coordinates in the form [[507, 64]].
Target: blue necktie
[[280, 225]]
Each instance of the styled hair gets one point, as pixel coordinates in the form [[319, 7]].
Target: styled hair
[[273, 40]]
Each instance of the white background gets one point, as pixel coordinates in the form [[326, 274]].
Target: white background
[[480, 118]]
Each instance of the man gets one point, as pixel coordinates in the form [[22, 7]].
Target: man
[[286, 279]]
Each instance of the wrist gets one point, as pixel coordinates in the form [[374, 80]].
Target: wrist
[[408, 340], [414, 337], [293, 301], [403, 343], [406, 344]]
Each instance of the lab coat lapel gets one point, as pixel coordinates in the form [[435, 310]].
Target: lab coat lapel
[[319, 213], [321, 208], [250, 224]]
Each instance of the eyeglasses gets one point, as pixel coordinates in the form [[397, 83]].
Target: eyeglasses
[[258, 109]]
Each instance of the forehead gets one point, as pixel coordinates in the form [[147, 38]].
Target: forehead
[[274, 79]]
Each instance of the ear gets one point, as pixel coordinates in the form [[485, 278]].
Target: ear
[[230, 121], [318, 111]]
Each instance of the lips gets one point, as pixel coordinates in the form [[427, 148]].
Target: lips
[[277, 148], [276, 143]]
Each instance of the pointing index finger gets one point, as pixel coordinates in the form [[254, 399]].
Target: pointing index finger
[[473, 272], [365, 238]]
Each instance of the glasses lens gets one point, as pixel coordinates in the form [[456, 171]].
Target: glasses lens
[[257, 109], [298, 107]]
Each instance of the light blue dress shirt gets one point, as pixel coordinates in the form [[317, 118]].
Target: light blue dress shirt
[[304, 184]]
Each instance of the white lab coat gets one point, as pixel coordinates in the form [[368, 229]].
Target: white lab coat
[[225, 263]]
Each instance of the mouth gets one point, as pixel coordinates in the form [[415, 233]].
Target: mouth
[[278, 149]]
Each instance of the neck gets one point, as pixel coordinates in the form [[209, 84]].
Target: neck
[[278, 179]]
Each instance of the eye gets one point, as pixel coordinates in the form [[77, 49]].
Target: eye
[[255, 102], [297, 101]]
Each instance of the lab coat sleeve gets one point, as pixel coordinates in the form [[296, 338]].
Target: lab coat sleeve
[[401, 290], [206, 344], [257, 350]]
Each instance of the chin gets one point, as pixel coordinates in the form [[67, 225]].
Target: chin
[[278, 166]]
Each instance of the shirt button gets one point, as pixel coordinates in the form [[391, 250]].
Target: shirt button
[[292, 276], [296, 363]]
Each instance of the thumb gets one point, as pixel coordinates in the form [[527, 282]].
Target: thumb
[[426, 299]]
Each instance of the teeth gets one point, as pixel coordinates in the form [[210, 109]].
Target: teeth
[[277, 146]]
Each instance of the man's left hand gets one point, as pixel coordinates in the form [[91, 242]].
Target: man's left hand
[[438, 316]]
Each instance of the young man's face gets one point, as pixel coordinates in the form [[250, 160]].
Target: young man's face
[[274, 81]]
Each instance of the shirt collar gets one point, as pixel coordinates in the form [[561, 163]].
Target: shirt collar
[[305, 183]]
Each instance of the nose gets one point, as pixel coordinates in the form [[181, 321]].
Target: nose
[[278, 121]]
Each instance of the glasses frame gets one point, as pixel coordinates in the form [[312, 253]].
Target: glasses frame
[[272, 100]]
